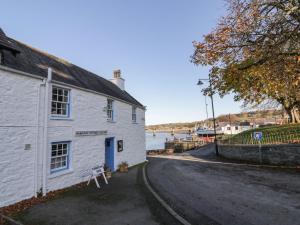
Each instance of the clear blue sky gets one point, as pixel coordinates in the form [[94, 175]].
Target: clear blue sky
[[150, 41]]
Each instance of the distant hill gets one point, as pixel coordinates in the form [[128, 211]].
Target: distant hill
[[265, 116]]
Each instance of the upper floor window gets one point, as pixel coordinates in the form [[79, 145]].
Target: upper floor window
[[60, 104], [110, 109], [60, 152], [133, 114]]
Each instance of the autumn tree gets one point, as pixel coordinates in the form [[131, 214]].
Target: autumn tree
[[254, 52]]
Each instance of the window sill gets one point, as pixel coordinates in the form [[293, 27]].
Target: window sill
[[61, 118], [111, 121], [60, 173], [134, 122]]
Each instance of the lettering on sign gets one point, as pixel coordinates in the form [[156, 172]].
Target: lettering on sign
[[91, 133]]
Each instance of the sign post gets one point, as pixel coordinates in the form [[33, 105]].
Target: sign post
[[258, 136]]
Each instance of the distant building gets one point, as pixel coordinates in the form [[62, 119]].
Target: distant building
[[235, 128]]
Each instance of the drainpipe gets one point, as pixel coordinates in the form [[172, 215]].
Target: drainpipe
[[45, 147], [38, 136]]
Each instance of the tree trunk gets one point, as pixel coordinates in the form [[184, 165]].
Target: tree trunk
[[290, 114]]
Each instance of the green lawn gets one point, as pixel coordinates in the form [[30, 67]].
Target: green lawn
[[289, 133]]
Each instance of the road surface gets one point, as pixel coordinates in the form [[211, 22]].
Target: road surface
[[205, 190]]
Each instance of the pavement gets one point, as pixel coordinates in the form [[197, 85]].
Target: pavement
[[207, 190], [125, 200]]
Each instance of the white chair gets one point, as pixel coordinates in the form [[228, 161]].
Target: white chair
[[97, 171]]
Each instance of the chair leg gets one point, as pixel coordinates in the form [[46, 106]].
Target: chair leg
[[103, 174], [97, 184], [89, 181]]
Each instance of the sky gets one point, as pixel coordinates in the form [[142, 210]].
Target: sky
[[149, 40]]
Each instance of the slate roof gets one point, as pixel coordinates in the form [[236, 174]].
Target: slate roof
[[22, 57], [6, 44]]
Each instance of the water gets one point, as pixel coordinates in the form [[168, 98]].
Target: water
[[158, 141]]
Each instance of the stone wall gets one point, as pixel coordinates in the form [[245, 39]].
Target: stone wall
[[285, 154]]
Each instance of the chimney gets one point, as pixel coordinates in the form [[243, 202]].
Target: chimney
[[118, 80]]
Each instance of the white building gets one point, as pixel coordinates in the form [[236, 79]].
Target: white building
[[58, 120], [236, 128]]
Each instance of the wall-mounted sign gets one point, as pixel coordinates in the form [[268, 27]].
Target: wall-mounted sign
[[27, 147], [91, 133], [120, 145]]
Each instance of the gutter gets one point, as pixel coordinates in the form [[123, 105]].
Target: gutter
[[45, 133], [5, 68]]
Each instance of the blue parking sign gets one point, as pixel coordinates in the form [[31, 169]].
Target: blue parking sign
[[257, 136]]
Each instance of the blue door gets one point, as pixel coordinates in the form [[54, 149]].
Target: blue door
[[109, 153]]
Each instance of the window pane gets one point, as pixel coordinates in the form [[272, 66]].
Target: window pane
[[54, 97]]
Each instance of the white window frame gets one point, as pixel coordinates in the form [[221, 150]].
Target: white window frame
[[110, 109], [57, 158], [133, 114], [63, 102]]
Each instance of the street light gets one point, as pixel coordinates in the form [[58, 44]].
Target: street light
[[200, 82]]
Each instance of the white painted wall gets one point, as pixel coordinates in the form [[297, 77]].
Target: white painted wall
[[87, 114], [18, 126]]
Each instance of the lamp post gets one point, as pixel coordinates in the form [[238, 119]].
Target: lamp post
[[200, 82]]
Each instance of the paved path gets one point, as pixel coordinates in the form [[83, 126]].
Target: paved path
[[124, 201], [207, 191]]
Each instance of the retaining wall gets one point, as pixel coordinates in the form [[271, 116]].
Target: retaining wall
[[285, 154]]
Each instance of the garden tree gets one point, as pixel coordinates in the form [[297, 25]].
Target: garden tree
[[254, 52]]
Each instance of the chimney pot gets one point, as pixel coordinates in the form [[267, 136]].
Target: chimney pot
[[117, 73], [118, 80]]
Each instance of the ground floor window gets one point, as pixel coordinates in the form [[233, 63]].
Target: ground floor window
[[59, 156]]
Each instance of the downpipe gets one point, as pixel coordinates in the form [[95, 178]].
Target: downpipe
[[45, 134]]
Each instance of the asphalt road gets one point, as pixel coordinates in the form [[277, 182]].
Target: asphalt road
[[205, 190], [123, 201]]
